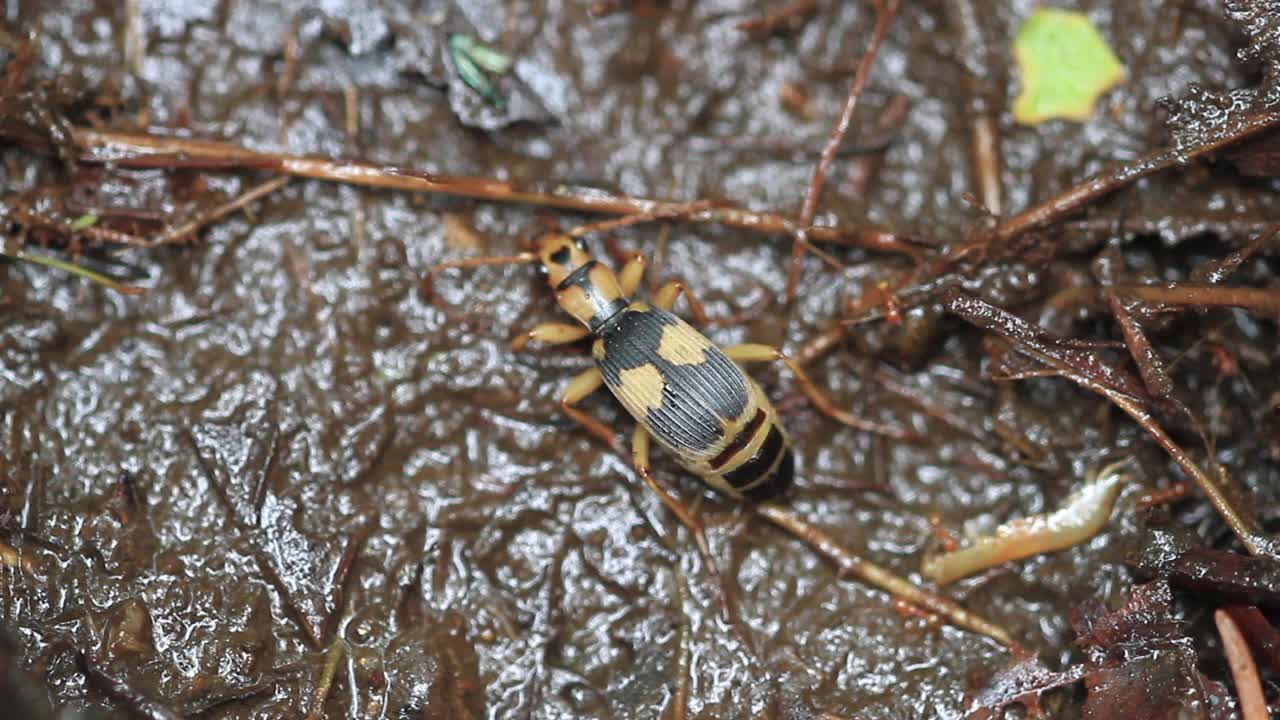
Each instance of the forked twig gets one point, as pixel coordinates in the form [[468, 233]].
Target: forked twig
[[884, 19]]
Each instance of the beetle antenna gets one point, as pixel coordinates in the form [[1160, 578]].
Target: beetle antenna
[[520, 259]]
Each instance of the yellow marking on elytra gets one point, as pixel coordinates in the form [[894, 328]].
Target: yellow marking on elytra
[[680, 347], [643, 386]]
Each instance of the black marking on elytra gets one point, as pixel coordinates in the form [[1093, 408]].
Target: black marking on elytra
[[777, 483], [759, 464], [740, 441], [560, 256], [694, 397]]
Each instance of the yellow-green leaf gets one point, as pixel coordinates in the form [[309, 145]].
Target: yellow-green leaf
[[1066, 66], [84, 222]]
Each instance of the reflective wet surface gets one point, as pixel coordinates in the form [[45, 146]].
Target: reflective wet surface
[[285, 443]]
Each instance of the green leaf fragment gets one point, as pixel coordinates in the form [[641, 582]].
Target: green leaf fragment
[[484, 54], [1066, 67], [474, 59], [84, 222]]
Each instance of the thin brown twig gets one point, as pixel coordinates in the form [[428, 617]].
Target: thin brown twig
[[1253, 704], [984, 128], [1075, 198], [666, 213], [1056, 210], [851, 565], [1261, 300], [680, 701], [218, 212], [884, 19], [144, 150], [769, 23]]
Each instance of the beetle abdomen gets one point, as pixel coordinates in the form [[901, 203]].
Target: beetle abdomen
[[695, 402]]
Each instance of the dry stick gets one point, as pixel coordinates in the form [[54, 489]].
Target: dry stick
[[680, 701], [675, 212], [1262, 635], [214, 214], [767, 24], [984, 146], [135, 46], [1253, 704], [144, 150], [851, 565], [884, 18], [1262, 300], [1077, 197]]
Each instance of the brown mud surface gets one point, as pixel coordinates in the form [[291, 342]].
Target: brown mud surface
[[287, 481]]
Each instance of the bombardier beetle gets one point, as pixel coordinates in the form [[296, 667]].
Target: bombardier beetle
[[693, 398], [686, 393]]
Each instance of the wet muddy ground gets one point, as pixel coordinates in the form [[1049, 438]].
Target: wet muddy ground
[[287, 467]]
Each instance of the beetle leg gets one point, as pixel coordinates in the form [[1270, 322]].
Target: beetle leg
[[667, 295], [640, 441], [754, 352], [631, 274], [551, 334], [580, 387]]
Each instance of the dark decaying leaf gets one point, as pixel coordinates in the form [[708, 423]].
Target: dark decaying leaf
[[1260, 21], [1203, 117], [1044, 346], [433, 671], [1257, 158], [1228, 576], [1113, 637], [1263, 637], [1022, 682], [1141, 666]]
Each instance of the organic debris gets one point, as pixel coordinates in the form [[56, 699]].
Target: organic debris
[[1139, 666], [1218, 574]]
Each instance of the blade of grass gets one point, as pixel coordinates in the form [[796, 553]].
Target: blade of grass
[[78, 270]]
